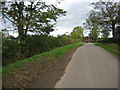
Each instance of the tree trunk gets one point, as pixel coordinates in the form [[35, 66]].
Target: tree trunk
[[20, 32], [113, 30], [20, 23]]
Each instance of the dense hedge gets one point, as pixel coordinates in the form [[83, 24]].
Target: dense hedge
[[109, 40], [12, 50]]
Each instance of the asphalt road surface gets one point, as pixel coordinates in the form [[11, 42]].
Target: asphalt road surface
[[91, 67]]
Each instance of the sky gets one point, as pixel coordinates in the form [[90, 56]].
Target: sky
[[77, 13]]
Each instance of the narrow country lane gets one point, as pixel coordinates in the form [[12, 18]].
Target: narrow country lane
[[91, 67]]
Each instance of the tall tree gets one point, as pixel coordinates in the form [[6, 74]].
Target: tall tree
[[37, 17], [107, 13], [92, 24]]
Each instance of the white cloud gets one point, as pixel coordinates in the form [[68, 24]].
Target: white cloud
[[76, 14]]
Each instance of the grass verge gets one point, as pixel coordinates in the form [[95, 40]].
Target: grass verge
[[112, 47], [55, 53]]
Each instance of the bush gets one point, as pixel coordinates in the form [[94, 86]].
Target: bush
[[109, 40], [10, 51], [14, 51]]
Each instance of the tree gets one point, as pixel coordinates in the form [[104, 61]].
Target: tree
[[107, 13], [36, 17], [77, 33], [105, 31], [93, 34], [92, 23]]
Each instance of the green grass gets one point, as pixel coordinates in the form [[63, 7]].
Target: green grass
[[112, 47], [55, 53]]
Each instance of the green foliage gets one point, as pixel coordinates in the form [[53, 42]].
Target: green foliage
[[66, 39], [94, 34], [105, 33], [55, 53], [112, 47], [77, 33], [107, 14], [105, 17], [14, 51], [109, 40], [36, 17], [92, 24], [10, 51]]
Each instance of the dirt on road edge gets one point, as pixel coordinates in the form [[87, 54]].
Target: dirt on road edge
[[53, 74], [39, 75]]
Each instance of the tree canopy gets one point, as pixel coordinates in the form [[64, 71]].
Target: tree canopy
[[77, 33], [104, 17], [36, 17]]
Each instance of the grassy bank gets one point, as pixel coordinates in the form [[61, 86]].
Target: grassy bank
[[55, 53], [112, 47]]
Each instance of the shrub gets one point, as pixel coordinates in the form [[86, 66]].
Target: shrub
[[10, 51], [14, 51]]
